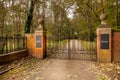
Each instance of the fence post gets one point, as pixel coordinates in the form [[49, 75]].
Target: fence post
[[6, 43]]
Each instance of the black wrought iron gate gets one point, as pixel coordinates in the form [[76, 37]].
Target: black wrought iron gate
[[71, 45]]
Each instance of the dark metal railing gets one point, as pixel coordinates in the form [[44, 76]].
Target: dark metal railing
[[72, 49], [11, 44]]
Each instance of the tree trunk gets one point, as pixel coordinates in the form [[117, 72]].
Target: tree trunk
[[29, 17]]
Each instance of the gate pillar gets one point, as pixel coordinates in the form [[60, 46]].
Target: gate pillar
[[40, 42], [36, 43], [104, 41]]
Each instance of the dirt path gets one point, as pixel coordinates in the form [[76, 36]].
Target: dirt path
[[68, 70], [56, 69]]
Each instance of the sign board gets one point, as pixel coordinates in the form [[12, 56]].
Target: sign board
[[104, 41], [38, 41]]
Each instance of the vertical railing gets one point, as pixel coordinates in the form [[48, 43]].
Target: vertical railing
[[11, 44]]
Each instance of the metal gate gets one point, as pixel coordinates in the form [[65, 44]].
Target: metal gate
[[71, 45]]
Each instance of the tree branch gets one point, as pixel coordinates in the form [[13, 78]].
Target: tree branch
[[92, 9]]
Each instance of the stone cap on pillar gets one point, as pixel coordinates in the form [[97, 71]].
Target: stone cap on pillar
[[39, 28], [103, 24]]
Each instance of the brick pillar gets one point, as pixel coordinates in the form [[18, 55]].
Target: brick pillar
[[36, 43], [40, 44], [104, 41]]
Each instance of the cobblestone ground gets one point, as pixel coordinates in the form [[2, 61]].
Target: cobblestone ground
[[61, 69]]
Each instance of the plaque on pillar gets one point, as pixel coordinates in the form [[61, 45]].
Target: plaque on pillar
[[104, 41], [38, 41]]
